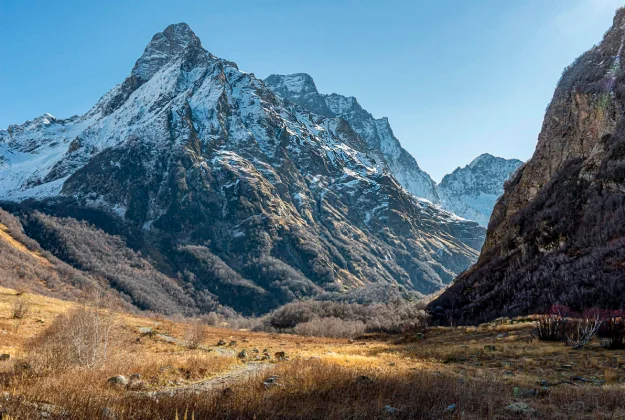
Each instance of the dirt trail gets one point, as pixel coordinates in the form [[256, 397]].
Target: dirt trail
[[217, 383]]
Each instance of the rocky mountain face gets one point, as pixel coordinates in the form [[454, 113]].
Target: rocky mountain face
[[557, 234], [471, 192], [239, 197], [377, 133]]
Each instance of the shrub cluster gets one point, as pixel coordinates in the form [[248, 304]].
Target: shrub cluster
[[577, 330], [343, 319]]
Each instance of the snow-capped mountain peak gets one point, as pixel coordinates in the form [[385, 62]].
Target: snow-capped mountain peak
[[162, 48], [471, 192], [228, 179], [377, 133]]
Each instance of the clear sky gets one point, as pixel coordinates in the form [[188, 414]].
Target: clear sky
[[456, 78]]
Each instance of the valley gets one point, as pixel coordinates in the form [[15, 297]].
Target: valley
[[492, 371]]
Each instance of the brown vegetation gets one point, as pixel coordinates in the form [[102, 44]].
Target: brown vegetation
[[470, 373]]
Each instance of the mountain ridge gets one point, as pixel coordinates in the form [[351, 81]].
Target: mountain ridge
[[239, 194]]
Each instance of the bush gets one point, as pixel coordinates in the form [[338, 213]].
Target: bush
[[393, 317], [552, 326], [330, 327], [196, 334], [613, 331], [21, 308], [79, 338]]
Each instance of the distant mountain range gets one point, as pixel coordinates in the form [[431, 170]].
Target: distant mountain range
[[223, 194], [469, 192]]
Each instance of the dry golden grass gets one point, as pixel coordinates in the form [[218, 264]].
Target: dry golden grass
[[476, 369]]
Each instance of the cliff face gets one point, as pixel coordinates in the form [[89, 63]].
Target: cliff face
[[557, 234]]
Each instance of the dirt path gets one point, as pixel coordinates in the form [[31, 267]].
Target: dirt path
[[217, 383]]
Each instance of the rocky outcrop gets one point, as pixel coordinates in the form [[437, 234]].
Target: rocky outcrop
[[557, 234], [232, 191], [471, 192]]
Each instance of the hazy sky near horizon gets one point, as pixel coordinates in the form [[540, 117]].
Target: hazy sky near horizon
[[456, 78]]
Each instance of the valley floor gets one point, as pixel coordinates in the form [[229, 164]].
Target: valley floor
[[495, 371]]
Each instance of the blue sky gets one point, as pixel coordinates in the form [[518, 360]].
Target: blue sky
[[456, 78]]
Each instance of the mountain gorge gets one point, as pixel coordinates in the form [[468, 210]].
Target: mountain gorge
[[226, 194], [557, 234]]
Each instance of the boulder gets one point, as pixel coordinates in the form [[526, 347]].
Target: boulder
[[117, 381]]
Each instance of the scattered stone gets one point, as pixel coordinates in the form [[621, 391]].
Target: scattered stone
[[146, 331], [489, 347], [137, 386], [450, 408], [365, 381], [580, 379], [233, 343], [566, 366], [350, 341], [245, 340], [242, 354], [508, 373], [500, 336], [107, 413], [221, 342], [523, 392], [392, 364], [419, 336], [390, 410], [5, 356], [135, 377], [227, 392], [41, 321], [266, 356], [255, 350], [520, 408], [271, 381], [117, 381]]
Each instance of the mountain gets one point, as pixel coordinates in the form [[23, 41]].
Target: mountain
[[471, 192], [377, 133], [241, 198], [557, 234]]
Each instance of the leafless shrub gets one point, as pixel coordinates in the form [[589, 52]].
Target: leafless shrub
[[391, 318], [550, 328], [613, 331], [553, 325], [21, 308], [196, 334], [330, 327], [79, 338], [582, 333]]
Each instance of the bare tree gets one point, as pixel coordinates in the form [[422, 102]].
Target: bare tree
[[196, 334]]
